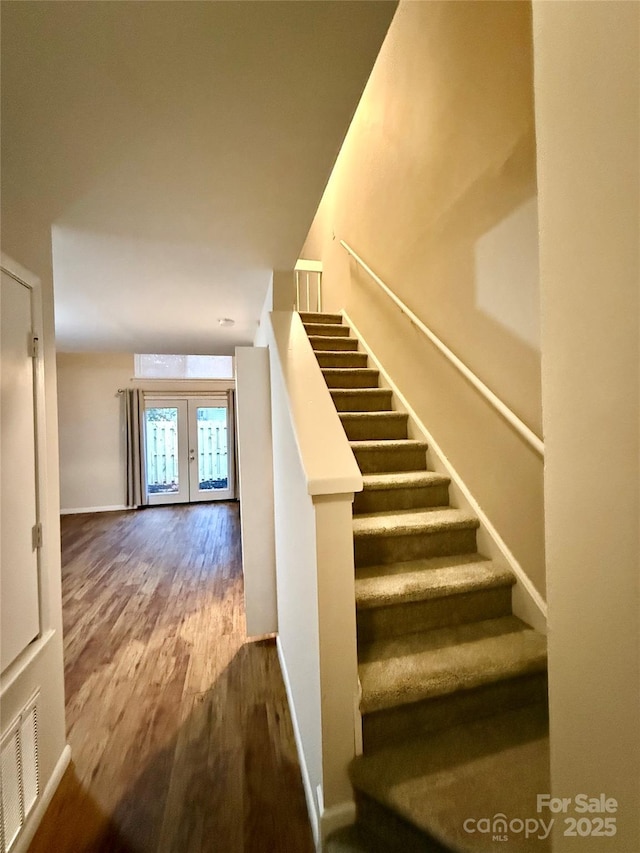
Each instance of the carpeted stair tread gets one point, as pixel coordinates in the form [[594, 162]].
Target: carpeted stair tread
[[419, 580], [387, 443], [360, 839], [492, 766], [323, 329], [412, 520], [392, 484], [313, 317], [350, 839], [374, 425], [365, 392], [341, 358], [333, 342], [361, 399], [351, 377], [403, 480], [382, 456], [351, 371], [365, 416], [415, 667]]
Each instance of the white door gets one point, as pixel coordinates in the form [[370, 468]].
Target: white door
[[210, 450], [20, 612], [166, 458], [188, 450]]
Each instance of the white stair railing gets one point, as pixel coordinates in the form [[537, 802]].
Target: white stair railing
[[499, 405], [308, 277]]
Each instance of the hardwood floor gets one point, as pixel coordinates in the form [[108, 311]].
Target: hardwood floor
[[179, 728]]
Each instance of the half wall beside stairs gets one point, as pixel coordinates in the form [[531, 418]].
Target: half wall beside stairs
[[315, 477]]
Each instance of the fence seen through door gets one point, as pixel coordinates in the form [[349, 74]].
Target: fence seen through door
[[188, 450], [162, 449]]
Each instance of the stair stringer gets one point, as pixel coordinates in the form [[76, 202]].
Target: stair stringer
[[527, 603]]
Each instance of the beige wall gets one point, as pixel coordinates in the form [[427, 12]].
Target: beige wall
[[587, 83], [92, 454], [435, 188], [91, 425]]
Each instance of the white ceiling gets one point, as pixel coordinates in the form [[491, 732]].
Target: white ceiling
[[178, 150]]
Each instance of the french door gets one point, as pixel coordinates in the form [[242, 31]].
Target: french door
[[188, 449]]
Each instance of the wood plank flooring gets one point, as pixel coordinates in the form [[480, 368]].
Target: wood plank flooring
[[180, 731]]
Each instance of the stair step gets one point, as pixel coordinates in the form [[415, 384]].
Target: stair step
[[361, 399], [417, 580], [426, 784], [351, 377], [362, 838], [341, 358], [349, 839], [324, 342], [391, 537], [422, 595], [366, 426], [408, 521], [327, 330], [397, 490], [417, 667], [394, 725], [314, 317], [379, 455]]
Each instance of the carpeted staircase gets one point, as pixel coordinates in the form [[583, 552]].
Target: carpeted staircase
[[454, 692]]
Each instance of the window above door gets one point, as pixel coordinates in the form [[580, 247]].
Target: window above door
[[161, 366]]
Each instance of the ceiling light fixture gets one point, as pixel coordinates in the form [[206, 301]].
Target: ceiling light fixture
[[226, 321]]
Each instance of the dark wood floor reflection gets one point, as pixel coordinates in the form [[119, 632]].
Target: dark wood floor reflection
[[179, 728]]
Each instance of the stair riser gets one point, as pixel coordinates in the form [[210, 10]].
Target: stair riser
[[395, 620], [327, 329], [389, 832], [342, 359], [377, 550], [370, 429], [362, 379], [392, 725], [389, 500], [325, 343], [392, 459], [377, 402], [311, 317]]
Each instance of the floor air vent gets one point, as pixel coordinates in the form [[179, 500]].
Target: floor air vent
[[19, 773]]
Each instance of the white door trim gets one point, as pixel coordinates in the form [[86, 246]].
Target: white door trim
[[187, 403], [23, 276]]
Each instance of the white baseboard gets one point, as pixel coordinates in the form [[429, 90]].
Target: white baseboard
[[78, 510], [33, 821], [306, 781], [527, 602]]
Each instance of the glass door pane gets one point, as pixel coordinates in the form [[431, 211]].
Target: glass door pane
[[210, 450], [213, 459], [167, 475]]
